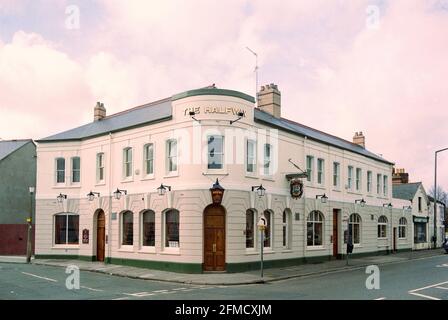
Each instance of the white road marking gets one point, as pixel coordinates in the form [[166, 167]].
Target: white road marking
[[414, 292], [442, 265], [92, 289], [442, 288], [124, 298], [160, 291], [382, 298], [34, 275], [178, 289]]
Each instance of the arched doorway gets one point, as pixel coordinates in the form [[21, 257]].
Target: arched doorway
[[100, 235], [214, 238]]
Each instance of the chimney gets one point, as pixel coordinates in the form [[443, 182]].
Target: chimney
[[269, 100], [99, 112], [359, 139], [400, 176]]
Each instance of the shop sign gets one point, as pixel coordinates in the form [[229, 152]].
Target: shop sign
[[421, 219]]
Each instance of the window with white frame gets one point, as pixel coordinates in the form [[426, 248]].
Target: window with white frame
[[66, 228], [309, 168], [127, 162], [148, 228], [172, 229], [215, 152], [171, 151], [60, 170], [336, 174], [250, 229], [354, 228], [286, 223], [320, 171], [358, 179], [314, 227], [382, 227], [268, 231], [378, 183], [369, 181], [148, 152], [127, 228], [100, 167], [251, 159], [76, 169], [350, 177], [402, 223], [268, 159], [385, 182]]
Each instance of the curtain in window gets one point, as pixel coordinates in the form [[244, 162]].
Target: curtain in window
[[149, 229], [72, 229], [128, 229], [60, 224]]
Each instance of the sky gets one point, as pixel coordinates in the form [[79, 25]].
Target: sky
[[342, 66]]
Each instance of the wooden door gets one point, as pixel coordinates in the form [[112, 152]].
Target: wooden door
[[100, 236], [214, 238], [335, 233]]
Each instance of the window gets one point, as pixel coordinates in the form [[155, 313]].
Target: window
[[60, 170], [369, 181], [285, 228], [385, 185], [268, 230], [66, 228], [419, 204], [320, 171], [336, 173], [100, 167], [402, 228], [350, 177], [309, 167], [148, 151], [268, 159], [172, 229], [148, 228], [171, 155], [127, 162], [354, 228], [314, 229], [378, 183], [127, 229], [358, 178], [76, 170], [419, 232], [251, 159], [215, 152], [382, 227], [250, 229]]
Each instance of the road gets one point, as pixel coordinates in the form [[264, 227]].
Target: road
[[425, 279]]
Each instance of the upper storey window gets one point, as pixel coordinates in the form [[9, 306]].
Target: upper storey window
[[251, 160], [267, 159], [215, 152], [127, 162], [309, 167], [100, 167], [60, 170], [149, 158], [76, 169], [171, 151]]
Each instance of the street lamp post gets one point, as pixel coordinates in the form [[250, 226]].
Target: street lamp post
[[435, 195]]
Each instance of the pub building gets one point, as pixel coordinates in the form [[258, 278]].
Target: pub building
[[180, 184]]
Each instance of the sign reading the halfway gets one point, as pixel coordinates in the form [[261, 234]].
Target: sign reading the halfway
[[219, 110]]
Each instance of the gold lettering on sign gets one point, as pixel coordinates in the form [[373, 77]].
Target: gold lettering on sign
[[218, 110]]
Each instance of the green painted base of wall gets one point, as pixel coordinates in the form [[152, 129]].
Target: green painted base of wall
[[158, 265], [65, 257], [372, 253], [280, 263]]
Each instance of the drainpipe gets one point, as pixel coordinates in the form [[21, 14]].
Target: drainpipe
[[109, 232]]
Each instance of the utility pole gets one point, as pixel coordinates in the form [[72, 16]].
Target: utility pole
[[30, 226], [435, 195]]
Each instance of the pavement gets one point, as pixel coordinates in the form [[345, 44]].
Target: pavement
[[13, 259], [243, 278]]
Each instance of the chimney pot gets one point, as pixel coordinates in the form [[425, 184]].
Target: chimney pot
[[269, 100], [99, 112], [359, 139]]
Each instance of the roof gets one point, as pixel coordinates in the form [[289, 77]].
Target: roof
[[405, 191], [213, 91], [9, 146], [142, 115], [310, 133]]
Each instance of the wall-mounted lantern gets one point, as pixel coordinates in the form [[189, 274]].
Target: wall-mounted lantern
[[61, 197], [362, 202], [260, 190], [162, 189], [91, 195], [323, 198], [240, 116], [389, 205], [217, 192], [118, 193]]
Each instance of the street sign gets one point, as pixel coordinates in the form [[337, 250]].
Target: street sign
[[262, 223]]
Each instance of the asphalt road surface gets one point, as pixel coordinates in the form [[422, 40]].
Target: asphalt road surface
[[425, 279]]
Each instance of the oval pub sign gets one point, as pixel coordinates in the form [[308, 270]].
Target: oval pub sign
[[296, 188]]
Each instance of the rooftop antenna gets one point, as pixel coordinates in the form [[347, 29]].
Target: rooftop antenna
[[256, 74]]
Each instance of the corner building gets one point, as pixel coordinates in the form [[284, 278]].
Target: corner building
[[148, 172]]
